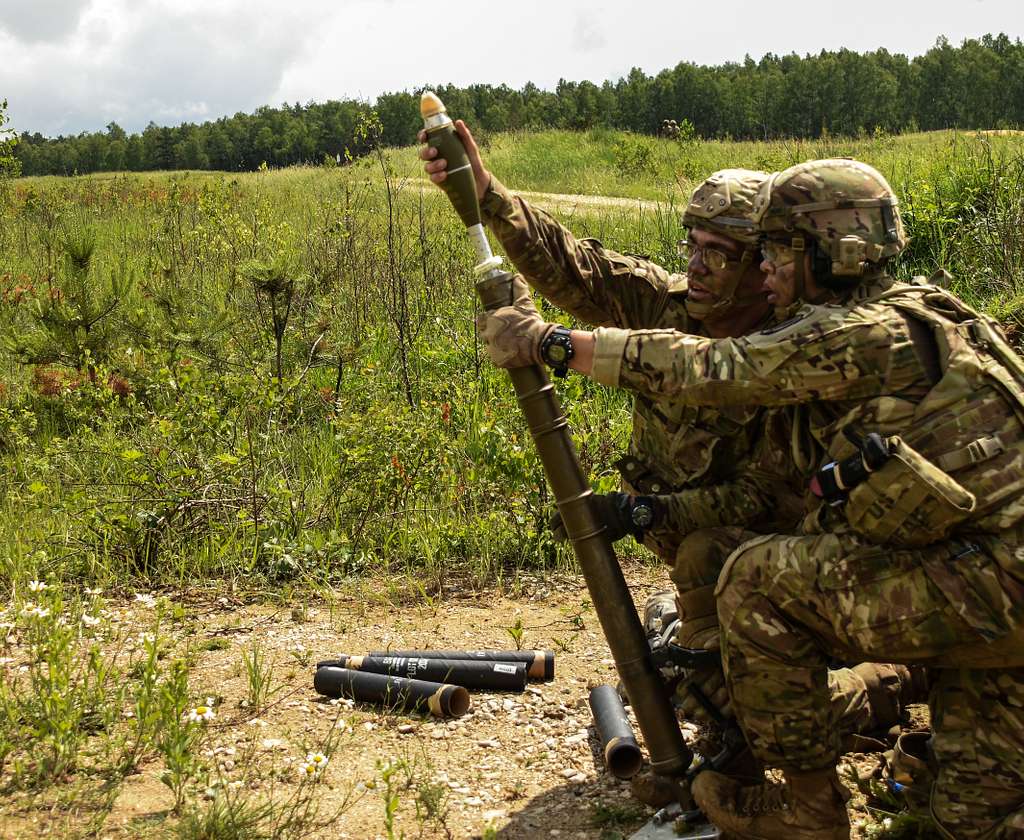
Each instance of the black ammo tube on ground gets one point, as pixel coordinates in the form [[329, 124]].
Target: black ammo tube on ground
[[540, 664], [618, 745], [394, 692], [501, 676]]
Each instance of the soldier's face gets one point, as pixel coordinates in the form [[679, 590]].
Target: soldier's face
[[713, 258], [779, 280]]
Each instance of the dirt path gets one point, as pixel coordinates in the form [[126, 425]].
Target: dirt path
[[563, 201]]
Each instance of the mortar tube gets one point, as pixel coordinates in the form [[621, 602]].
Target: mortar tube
[[621, 752], [540, 664], [549, 428], [396, 693], [494, 676]]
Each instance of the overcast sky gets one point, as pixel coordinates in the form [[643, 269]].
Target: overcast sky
[[74, 65]]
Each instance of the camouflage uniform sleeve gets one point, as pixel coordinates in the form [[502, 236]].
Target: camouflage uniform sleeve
[[824, 353], [747, 502], [765, 493], [593, 283]]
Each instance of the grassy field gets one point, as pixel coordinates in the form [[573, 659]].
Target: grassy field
[[269, 384]]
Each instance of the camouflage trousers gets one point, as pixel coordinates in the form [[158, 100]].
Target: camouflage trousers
[[787, 605], [865, 700]]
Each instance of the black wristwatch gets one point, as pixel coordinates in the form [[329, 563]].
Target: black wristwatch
[[557, 351], [644, 513]]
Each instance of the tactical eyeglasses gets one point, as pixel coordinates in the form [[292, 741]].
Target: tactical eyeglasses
[[713, 258], [776, 253]]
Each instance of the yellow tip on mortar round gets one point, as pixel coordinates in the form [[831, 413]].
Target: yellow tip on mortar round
[[430, 104]]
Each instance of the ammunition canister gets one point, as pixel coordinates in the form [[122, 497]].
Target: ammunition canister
[[393, 692], [540, 664], [499, 676], [618, 745]]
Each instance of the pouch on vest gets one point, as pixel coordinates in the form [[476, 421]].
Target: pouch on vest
[[909, 501]]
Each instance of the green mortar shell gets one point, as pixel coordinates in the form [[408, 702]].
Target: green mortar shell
[[461, 185]]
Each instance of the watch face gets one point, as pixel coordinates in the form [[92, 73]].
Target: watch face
[[642, 516], [557, 354]]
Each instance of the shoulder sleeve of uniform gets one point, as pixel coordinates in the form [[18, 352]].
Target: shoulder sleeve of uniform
[[807, 318], [678, 284]]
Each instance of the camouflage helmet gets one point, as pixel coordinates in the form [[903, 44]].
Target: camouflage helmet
[[724, 203], [843, 205]]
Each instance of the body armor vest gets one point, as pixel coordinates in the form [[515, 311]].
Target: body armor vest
[[959, 459]]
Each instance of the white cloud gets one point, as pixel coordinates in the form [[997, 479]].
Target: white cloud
[[41, 20], [73, 65]]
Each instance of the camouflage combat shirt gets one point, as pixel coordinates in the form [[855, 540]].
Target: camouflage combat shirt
[[709, 465], [859, 365]]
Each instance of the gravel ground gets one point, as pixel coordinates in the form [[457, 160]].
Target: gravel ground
[[517, 765]]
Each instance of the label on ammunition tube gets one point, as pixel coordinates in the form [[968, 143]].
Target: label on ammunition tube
[[505, 667]]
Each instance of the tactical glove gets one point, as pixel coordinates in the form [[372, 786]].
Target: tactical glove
[[520, 295], [614, 510], [513, 334]]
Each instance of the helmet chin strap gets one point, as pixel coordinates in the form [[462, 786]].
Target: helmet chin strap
[[725, 302], [799, 246], [784, 313]]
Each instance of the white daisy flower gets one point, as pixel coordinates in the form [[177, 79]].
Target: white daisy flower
[[37, 586], [31, 610], [201, 714], [313, 766]]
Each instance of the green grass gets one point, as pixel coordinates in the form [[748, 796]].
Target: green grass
[[287, 385], [283, 381], [271, 382]]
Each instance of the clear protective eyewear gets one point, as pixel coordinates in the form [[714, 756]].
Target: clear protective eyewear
[[713, 258], [776, 253]]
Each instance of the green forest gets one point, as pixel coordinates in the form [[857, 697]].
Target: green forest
[[979, 84]]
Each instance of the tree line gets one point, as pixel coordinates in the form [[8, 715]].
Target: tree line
[[979, 84]]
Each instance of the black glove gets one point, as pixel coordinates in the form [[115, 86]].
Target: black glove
[[616, 511]]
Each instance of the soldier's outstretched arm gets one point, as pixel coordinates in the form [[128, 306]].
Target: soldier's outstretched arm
[[828, 353], [595, 284]]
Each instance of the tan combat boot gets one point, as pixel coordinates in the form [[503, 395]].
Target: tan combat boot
[[809, 806]]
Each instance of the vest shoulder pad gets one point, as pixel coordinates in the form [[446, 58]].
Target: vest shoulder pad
[[806, 317]]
